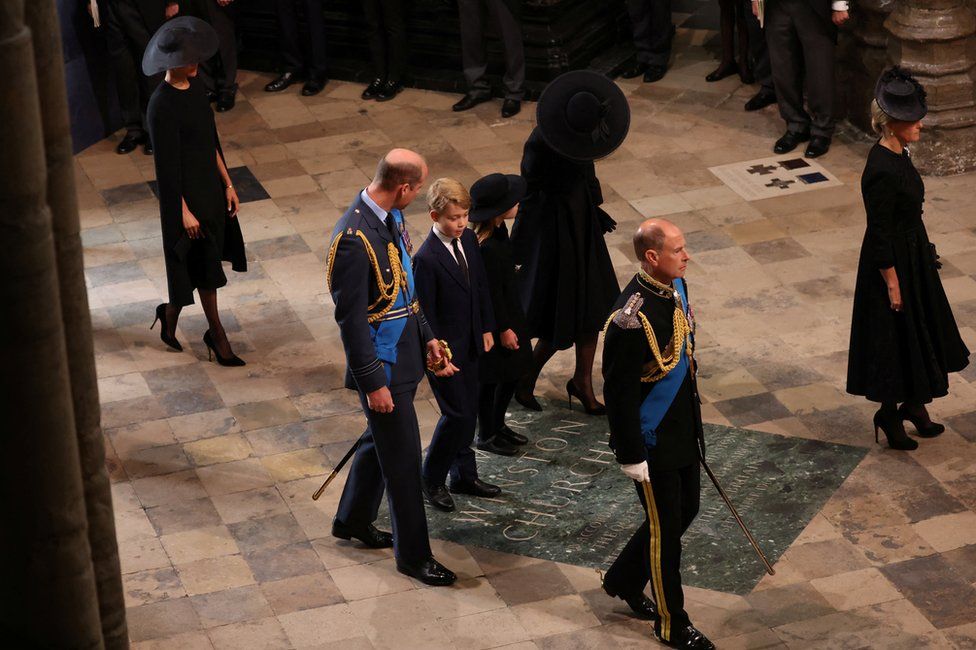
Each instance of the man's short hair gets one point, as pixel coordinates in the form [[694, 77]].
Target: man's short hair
[[390, 176], [445, 191], [650, 238]]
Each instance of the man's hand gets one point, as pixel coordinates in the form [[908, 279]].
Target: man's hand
[[447, 371], [488, 340], [840, 17], [509, 339], [434, 350], [755, 8], [637, 472], [380, 400], [172, 9]]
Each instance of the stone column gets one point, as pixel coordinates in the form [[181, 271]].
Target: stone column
[[42, 19], [864, 53], [48, 596]]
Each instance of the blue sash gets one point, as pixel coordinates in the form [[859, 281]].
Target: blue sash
[[663, 392], [386, 334]]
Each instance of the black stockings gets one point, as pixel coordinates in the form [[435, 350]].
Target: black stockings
[[208, 299]]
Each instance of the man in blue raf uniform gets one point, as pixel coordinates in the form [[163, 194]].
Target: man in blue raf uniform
[[655, 428], [384, 334]]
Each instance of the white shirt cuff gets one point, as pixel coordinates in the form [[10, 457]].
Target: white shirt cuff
[[839, 5]]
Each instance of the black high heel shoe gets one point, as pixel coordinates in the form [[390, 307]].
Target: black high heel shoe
[[529, 402], [925, 429], [572, 391], [894, 431], [163, 334], [232, 360]]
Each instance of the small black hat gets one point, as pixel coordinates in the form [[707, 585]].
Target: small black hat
[[900, 96], [181, 41], [495, 194], [583, 115]]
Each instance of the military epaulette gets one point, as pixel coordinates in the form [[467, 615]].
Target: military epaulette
[[628, 318]]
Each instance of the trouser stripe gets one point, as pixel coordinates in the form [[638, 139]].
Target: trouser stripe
[[655, 556]]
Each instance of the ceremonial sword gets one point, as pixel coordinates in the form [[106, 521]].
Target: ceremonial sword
[[338, 468]]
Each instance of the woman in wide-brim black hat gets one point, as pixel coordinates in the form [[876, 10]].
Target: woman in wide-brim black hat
[[904, 339], [566, 276], [197, 201]]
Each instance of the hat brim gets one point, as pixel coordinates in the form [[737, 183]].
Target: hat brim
[[200, 44], [911, 113], [554, 125], [516, 192]]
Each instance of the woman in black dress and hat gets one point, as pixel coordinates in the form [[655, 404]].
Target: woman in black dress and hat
[[567, 279], [197, 201], [904, 339], [494, 200]]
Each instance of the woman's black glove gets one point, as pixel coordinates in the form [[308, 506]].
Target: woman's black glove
[[607, 224]]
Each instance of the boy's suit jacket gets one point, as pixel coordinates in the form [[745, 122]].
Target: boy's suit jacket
[[458, 311]]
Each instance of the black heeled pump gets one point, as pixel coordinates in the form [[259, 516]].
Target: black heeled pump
[[894, 431], [925, 429], [164, 329], [572, 391], [232, 360]]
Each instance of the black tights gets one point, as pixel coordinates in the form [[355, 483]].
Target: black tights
[[918, 410], [208, 300], [493, 401], [583, 375]]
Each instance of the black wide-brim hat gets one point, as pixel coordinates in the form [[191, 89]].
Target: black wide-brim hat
[[583, 115], [181, 41], [495, 194], [900, 95]]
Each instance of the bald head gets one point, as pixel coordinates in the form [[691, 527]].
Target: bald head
[[400, 167], [660, 248], [651, 235]]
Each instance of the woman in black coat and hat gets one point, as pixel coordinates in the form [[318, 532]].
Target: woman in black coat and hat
[[568, 282], [197, 201], [904, 339]]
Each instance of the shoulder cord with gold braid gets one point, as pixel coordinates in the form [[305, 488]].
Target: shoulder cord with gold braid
[[388, 290]]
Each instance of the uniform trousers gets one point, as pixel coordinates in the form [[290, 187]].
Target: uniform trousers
[[126, 38], [474, 49], [801, 49], [389, 457], [653, 553], [653, 30], [387, 37], [450, 448], [291, 39]]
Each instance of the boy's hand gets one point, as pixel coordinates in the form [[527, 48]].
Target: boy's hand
[[509, 339], [447, 371], [489, 341]]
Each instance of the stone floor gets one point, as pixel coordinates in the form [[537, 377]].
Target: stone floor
[[213, 467]]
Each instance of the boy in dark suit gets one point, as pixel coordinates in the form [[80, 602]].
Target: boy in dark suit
[[453, 290]]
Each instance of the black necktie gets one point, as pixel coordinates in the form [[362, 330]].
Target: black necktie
[[460, 259]]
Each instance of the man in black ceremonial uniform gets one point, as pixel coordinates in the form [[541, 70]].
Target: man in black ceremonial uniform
[[384, 335], [655, 428]]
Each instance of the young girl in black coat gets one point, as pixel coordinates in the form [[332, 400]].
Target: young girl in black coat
[[495, 199]]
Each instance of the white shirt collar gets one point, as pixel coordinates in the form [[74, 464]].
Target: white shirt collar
[[377, 210]]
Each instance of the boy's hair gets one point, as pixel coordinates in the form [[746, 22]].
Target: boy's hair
[[444, 191]]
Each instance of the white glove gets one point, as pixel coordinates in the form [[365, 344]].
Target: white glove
[[637, 472]]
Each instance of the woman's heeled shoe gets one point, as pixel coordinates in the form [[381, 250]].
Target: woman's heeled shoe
[[722, 71], [894, 431], [164, 329], [528, 401], [572, 391], [232, 360], [925, 429]]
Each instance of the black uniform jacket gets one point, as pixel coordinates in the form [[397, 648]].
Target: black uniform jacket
[[625, 353], [352, 282]]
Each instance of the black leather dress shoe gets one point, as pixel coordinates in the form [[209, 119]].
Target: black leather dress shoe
[[722, 71], [476, 488], [281, 82], [498, 445], [211, 96], [510, 436], [147, 147], [430, 572], [642, 606], [130, 141], [470, 100], [634, 71], [439, 497], [760, 100], [511, 107], [369, 535], [819, 145], [789, 141], [314, 85], [372, 89], [689, 638], [388, 91], [654, 73], [226, 100]]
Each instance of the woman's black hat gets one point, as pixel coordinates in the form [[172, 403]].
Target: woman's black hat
[[900, 96], [494, 195], [181, 41], [583, 115]]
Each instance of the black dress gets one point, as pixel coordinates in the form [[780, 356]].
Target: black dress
[[501, 365], [184, 138], [899, 356], [567, 280]]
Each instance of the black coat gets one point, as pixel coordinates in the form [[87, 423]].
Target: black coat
[[458, 311], [567, 279], [906, 356], [500, 364]]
